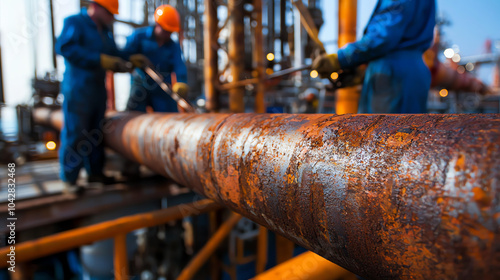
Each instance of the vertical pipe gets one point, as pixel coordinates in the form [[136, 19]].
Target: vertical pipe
[[258, 57], [210, 43], [2, 96], [110, 90], [261, 261], [284, 249], [236, 54], [197, 262], [283, 31], [120, 257], [270, 26], [53, 33], [298, 39], [496, 76], [347, 98], [215, 264]]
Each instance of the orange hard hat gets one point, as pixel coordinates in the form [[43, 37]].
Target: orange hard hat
[[168, 18], [110, 5]]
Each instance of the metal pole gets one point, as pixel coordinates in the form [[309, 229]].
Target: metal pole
[[53, 33], [347, 98], [213, 243], [283, 32], [236, 48], [2, 95], [120, 257], [258, 56], [298, 39], [110, 90], [210, 48], [261, 259]]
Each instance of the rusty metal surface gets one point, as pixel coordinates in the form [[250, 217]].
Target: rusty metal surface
[[384, 196]]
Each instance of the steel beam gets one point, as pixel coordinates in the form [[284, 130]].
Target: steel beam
[[384, 196]]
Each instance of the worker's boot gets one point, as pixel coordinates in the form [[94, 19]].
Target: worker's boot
[[103, 179], [72, 188]]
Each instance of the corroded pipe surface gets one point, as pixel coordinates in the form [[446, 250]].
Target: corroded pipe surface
[[384, 196]]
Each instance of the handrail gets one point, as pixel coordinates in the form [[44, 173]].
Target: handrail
[[45, 246]]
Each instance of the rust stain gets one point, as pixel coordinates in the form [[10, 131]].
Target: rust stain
[[385, 196]]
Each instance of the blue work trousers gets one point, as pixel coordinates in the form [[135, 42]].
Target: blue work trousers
[[397, 84], [82, 141]]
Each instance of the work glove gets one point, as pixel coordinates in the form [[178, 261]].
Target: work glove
[[354, 77], [140, 61], [115, 64], [181, 89], [326, 64]]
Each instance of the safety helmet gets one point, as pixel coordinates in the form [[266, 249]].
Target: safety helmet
[[168, 18], [110, 5]]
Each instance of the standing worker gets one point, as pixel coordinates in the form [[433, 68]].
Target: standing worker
[[88, 47], [153, 46], [397, 35]]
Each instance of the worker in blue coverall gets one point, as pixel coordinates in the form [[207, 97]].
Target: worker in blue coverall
[[88, 47], [397, 35], [153, 46]]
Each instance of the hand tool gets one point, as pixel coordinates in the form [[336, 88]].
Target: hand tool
[[307, 21], [158, 78]]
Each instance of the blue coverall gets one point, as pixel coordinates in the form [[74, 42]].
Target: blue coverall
[[167, 59], [397, 35], [83, 87]]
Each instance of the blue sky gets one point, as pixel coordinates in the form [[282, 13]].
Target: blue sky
[[472, 23]]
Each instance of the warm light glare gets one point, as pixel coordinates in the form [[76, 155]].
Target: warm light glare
[[469, 66], [314, 74], [200, 102], [449, 53], [334, 76], [461, 69], [270, 56], [443, 92], [269, 71], [51, 145], [456, 58]]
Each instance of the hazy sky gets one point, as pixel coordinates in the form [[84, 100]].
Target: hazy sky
[[472, 23]]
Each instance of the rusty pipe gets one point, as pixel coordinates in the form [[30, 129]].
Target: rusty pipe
[[384, 196]]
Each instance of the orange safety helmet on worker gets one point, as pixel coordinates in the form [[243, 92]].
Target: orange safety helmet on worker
[[168, 18], [110, 5]]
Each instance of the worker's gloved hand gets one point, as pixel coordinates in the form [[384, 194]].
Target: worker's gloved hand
[[115, 64], [354, 77], [140, 61], [326, 64], [181, 89]]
